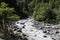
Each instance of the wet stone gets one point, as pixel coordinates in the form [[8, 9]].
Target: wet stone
[[41, 28], [15, 29], [17, 22], [57, 32], [24, 35], [19, 30], [22, 23], [45, 36], [53, 39], [23, 26], [44, 31]]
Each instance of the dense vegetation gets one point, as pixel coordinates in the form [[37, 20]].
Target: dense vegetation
[[41, 10], [45, 10]]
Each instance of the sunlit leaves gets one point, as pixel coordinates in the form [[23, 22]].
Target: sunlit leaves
[[14, 17]]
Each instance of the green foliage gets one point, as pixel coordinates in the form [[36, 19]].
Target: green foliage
[[14, 17], [50, 16], [42, 10], [4, 9], [7, 12], [57, 12], [45, 10]]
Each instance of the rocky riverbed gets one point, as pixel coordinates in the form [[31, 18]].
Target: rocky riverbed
[[29, 29]]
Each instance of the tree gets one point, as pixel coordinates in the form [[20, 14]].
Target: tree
[[6, 14]]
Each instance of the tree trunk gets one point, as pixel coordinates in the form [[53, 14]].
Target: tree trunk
[[3, 23]]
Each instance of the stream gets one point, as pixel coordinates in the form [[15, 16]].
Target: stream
[[30, 29], [33, 33]]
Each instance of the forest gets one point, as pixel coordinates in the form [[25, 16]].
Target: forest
[[47, 11]]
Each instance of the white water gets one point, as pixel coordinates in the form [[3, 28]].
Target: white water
[[31, 32]]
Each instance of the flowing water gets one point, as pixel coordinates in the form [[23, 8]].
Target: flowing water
[[29, 29]]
